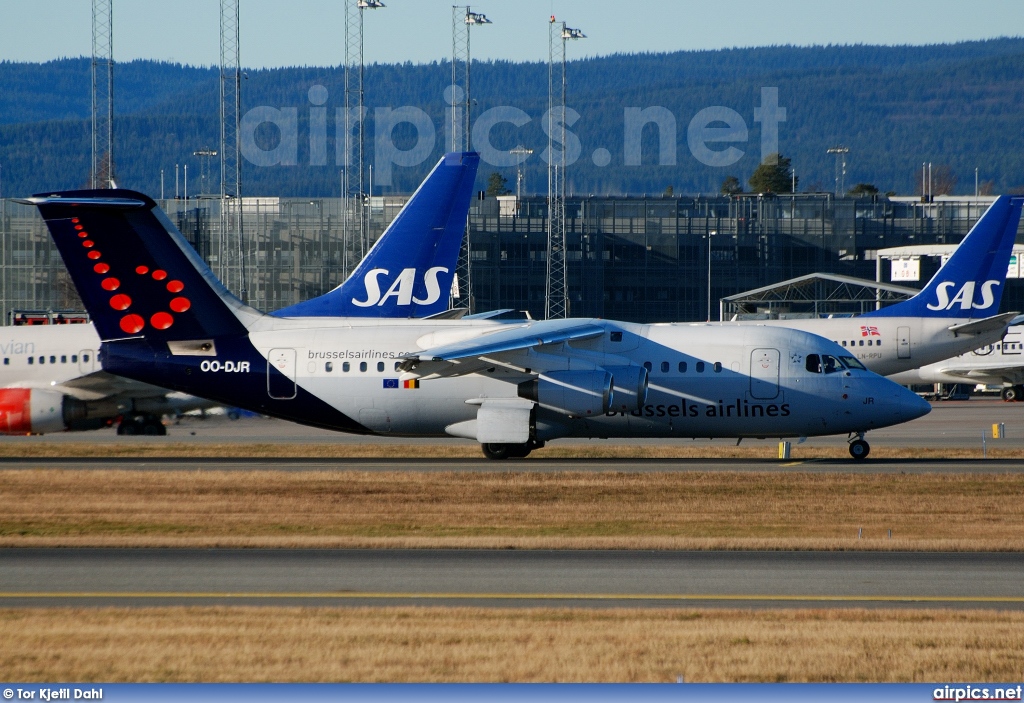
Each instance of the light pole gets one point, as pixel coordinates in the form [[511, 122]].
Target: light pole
[[840, 152], [204, 155], [556, 298], [711, 234]]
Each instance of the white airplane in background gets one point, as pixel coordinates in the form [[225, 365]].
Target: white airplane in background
[[509, 386], [955, 313], [51, 381], [50, 378], [999, 364]]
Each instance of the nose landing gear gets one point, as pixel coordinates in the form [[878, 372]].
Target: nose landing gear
[[859, 449]]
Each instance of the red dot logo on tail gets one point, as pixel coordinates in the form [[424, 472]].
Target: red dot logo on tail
[[180, 304], [161, 320], [121, 302], [132, 324]]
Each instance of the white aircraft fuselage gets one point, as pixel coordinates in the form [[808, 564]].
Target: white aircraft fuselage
[[702, 380], [892, 345]]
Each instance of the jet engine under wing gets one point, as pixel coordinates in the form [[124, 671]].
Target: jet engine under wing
[[472, 355]]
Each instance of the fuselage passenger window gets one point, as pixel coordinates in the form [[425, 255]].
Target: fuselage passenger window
[[328, 366], [380, 365], [718, 367], [648, 366], [699, 367], [362, 366], [664, 367], [682, 367], [346, 367]]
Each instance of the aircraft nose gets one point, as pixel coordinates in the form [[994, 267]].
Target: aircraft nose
[[913, 406]]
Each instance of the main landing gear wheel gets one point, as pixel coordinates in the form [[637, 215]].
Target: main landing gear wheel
[[859, 449], [1012, 393], [500, 452], [149, 425]]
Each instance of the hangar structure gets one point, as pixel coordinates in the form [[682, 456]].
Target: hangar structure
[[634, 258]]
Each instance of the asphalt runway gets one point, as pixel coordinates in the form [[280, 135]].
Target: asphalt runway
[[868, 466], [951, 424], [147, 577]]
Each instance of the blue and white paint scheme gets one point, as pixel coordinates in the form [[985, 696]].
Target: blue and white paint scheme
[[410, 269], [163, 317], [957, 311], [50, 380]]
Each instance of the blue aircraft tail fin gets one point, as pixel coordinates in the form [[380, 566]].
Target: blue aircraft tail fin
[[409, 270], [970, 284], [136, 274]]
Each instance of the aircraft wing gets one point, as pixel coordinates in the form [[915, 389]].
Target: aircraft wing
[[510, 348], [100, 384], [1013, 375]]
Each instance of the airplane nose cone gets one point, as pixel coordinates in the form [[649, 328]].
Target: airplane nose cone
[[913, 406]]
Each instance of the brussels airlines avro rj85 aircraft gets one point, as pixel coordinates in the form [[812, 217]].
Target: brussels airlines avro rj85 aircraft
[[953, 314], [163, 317], [50, 378]]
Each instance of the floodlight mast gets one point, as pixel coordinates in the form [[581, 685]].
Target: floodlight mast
[[556, 299], [521, 153], [463, 19], [840, 152]]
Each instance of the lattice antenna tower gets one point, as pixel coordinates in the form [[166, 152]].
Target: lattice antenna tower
[[231, 251], [355, 217], [102, 94], [463, 19], [556, 299]]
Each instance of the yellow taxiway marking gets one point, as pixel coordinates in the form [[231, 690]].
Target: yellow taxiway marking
[[349, 595]]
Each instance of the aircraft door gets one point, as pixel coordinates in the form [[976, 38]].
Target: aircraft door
[[902, 342], [86, 361], [764, 373], [281, 386]]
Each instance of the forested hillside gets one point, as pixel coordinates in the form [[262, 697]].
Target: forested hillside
[[958, 106]]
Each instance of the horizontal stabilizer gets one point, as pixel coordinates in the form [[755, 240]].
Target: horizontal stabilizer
[[988, 324]]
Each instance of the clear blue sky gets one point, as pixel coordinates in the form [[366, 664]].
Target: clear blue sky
[[310, 32]]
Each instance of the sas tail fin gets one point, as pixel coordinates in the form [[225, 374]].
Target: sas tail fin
[[409, 270], [136, 274], [970, 284]]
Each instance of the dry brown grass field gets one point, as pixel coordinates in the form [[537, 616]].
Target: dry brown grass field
[[241, 450], [666, 510], [483, 645]]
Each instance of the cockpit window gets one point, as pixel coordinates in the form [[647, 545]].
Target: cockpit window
[[813, 363], [830, 363], [852, 363]]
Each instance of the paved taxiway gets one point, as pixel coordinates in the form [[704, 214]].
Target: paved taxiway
[[871, 465], [144, 577], [959, 424]]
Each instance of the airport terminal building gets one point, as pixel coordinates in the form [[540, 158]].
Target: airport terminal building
[[641, 259]]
